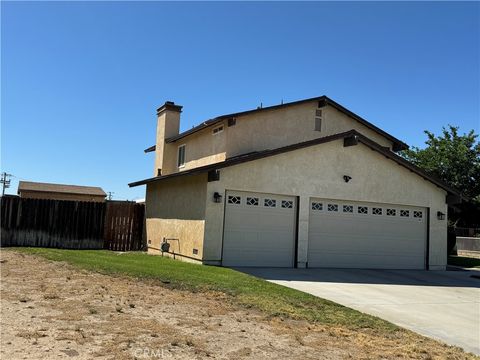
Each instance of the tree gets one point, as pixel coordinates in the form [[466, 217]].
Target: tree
[[453, 158]]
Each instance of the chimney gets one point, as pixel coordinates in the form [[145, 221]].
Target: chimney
[[168, 125]]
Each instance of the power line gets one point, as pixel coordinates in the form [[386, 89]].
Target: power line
[[5, 181]]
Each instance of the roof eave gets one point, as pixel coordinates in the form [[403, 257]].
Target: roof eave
[[258, 155], [150, 149]]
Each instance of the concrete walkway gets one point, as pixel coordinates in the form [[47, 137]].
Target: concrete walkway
[[444, 305]]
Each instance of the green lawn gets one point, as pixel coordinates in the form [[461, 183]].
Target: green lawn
[[463, 261], [246, 290]]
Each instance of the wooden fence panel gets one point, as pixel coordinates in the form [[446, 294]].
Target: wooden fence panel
[[51, 223], [124, 226], [114, 225]]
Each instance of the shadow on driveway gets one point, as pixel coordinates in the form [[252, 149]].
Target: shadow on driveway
[[355, 276]]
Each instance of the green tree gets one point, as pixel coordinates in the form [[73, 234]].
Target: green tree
[[451, 157]]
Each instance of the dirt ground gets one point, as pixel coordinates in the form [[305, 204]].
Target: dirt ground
[[53, 311]]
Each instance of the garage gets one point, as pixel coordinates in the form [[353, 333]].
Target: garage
[[366, 235], [259, 230]]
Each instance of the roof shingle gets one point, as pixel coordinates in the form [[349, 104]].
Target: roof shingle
[[60, 188]]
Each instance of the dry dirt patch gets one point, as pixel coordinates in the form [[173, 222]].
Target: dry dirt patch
[[50, 310]]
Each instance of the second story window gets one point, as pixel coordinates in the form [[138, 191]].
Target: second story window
[[217, 130], [318, 120], [181, 156]]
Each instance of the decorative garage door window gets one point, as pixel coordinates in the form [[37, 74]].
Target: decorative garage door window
[[332, 207], [252, 201], [417, 214], [348, 208], [363, 210], [234, 200], [317, 206], [361, 234], [287, 204], [391, 212], [270, 203]]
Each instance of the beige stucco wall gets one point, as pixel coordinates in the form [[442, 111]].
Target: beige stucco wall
[[318, 171], [168, 125], [60, 196], [268, 129], [272, 129], [204, 148], [175, 209]]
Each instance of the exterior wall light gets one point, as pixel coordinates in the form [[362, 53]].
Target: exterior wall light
[[347, 178], [440, 215], [217, 197]]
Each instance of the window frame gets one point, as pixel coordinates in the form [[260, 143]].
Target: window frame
[[318, 120], [218, 130], [318, 124], [184, 146]]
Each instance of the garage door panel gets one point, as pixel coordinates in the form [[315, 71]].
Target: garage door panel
[[350, 239], [259, 230], [375, 261], [367, 252], [378, 238]]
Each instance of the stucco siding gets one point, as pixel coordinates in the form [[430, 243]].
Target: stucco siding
[[175, 209], [168, 124], [204, 147], [336, 122], [318, 171], [280, 127], [185, 236], [269, 129]]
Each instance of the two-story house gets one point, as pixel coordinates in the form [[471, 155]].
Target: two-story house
[[301, 184]]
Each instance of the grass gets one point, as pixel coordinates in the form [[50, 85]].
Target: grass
[[246, 290], [463, 261]]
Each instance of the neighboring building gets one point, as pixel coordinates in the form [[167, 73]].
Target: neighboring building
[[36, 190], [302, 184]]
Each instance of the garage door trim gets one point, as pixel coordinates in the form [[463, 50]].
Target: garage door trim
[[358, 234], [290, 220]]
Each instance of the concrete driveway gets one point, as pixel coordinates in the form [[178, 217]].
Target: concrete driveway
[[444, 305]]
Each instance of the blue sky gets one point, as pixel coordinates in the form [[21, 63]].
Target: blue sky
[[80, 81]]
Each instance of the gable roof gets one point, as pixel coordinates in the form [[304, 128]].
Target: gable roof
[[60, 188], [352, 137], [323, 101]]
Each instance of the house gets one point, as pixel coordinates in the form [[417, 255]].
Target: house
[[37, 190], [301, 184]]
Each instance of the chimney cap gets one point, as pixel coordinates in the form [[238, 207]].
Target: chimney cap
[[169, 105]]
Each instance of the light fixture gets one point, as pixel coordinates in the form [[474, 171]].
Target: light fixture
[[165, 246], [347, 178], [217, 197], [440, 215]]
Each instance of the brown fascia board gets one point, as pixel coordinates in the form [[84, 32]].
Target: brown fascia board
[[405, 163], [150, 149], [323, 101], [245, 157], [398, 145], [266, 153], [220, 118]]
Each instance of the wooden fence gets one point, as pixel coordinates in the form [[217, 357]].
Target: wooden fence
[[71, 224], [124, 226]]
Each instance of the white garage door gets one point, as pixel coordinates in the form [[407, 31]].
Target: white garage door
[[259, 230], [365, 235]]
